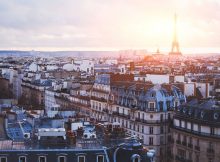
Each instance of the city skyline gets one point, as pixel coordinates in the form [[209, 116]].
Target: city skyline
[[109, 25]]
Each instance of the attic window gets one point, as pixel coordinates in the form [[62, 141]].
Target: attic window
[[81, 159], [100, 158], [135, 158], [202, 114], [22, 159], [61, 159], [3, 159], [42, 159], [153, 94]]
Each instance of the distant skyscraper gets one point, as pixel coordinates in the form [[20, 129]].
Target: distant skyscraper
[[175, 45]]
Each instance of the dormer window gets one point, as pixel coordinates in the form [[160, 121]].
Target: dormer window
[[22, 159], [81, 158], [136, 158], [100, 158], [153, 94], [42, 159], [61, 159], [3, 159]]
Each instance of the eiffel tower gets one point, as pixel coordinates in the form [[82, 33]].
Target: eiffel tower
[[175, 45]]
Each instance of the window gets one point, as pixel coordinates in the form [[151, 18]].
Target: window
[[210, 145], [161, 106], [191, 126], [161, 140], [136, 158], [184, 139], [161, 117], [168, 104], [100, 158], [199, 128], [161, 129], [197, 143], [99, 106], [190, 155], [178, 137], [142, 129], [210, 160], [139, 115], [176, 104], [153, 94], [81, 159], [151, 140], [61, 159], [151, 130], [42, 159], [181, 153], [3, 159], [169, 116], [197, 158], [22, 159], [212, 131], [151, 106], [161, 151]]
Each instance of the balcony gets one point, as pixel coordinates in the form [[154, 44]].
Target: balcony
[[179, 158], [182, 159], [115, 113], [197, 148], [105, 110], [139, 120], [210, 151], [196, 132], [124, 115], [121, 114]]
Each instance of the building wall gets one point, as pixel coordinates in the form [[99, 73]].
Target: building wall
[[5, 91]]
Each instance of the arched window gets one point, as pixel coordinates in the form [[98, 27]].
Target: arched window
[[135, 158]]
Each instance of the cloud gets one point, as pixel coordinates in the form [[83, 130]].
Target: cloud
[[107, 24]]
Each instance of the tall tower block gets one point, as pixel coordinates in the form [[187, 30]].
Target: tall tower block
[[175, 45]]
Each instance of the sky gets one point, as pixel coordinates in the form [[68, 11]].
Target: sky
[[109, 24]]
